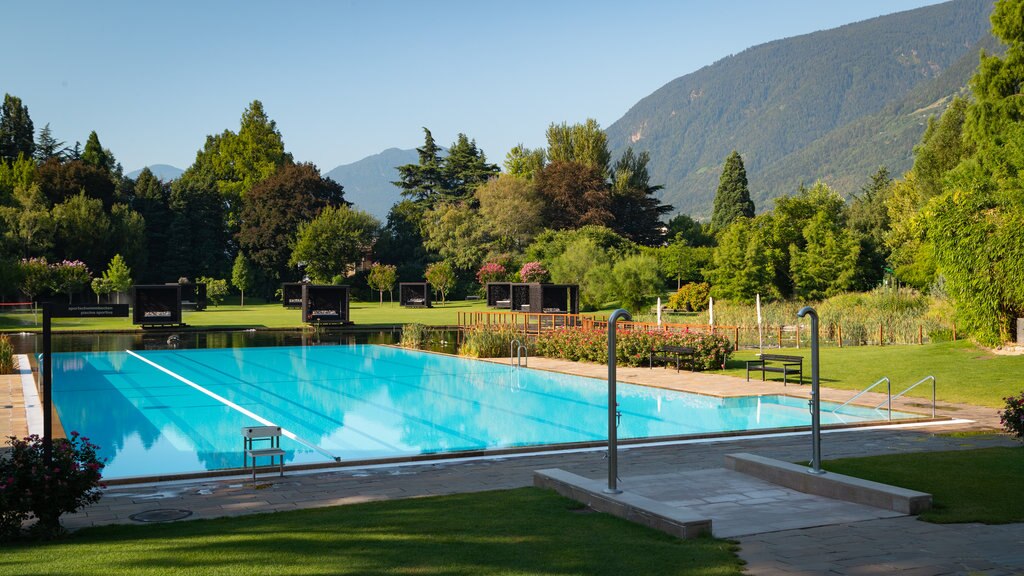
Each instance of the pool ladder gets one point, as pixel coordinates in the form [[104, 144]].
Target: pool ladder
[[889, 397], [518, 353]]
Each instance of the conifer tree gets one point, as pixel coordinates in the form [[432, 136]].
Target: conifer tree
[[733, 197], [16, 131]]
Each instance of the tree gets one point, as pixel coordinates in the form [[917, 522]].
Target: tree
[[216, 289], [96, 156], [523, 162], [732, 199], [455, 232], [101, 287], [424, 181], [69, 276], [574, 195], [63, 180], [743, 262], [118, 276], [464, 169], [827, 263], [585, 144], [441, 277], [30, 227], [49, 147], [82, 230], [198, 242], [977, 224], [586, 264], [242, 276], [382, 277], [150, 199], [791, 216], [677, 260], [334, 241], [511, 211], [35, 276], [636, 212], [636, 280], [695, 233], [401, 242], [868, 219], [16, 131], [273, 209], [128, 236]]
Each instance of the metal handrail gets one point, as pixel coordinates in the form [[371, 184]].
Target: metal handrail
[[868, 389], [516, 352], [911, 387]]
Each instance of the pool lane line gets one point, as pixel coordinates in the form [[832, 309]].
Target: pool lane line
[[284, 432]]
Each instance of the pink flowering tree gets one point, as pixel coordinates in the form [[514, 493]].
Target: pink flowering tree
[[70, 276], [490, 272], [533, 272]]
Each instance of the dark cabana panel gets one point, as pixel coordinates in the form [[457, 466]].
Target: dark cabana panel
[[499, 294], [291, 294], [521, 297], [414, 294], [156, 304], [325, 304], [193, 296]]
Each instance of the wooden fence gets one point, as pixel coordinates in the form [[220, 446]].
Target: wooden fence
[[789, 336]]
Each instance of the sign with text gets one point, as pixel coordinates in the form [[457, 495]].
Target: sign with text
[[89, 311]]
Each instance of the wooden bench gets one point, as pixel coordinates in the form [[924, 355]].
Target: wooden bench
[[787, 365], [670, 354], [269, 434]]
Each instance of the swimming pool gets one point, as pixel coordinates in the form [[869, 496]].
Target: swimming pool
[[173, 411]]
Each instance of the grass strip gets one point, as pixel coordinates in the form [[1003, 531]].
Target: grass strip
[[522, 532], [981, 485]]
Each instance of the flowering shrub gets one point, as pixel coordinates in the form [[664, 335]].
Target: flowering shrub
[[29, 488], [490, 272], [633, 347], [533, 272], [1012, 418]]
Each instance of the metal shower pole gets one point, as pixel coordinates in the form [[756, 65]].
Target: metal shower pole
[[613, 405], [815, 393]]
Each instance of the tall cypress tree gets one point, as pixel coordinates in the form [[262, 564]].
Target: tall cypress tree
[[16, 131], [424, 181], [733, 197]]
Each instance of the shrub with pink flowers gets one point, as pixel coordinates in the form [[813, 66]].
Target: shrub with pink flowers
[[491, 272], [1012, 418], [29, 488], [633, 347], [70, 276], [533, 272]]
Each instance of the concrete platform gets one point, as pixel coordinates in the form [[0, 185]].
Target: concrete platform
[[733, 503], [831, 484]]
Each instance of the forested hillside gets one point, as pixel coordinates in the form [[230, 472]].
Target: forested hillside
[[773, 101]]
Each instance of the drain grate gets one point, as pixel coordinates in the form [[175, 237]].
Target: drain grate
[[161, 515]]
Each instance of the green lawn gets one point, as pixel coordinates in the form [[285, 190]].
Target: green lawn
[[966, 485], [963, 372], [264, 316], [524, 531]]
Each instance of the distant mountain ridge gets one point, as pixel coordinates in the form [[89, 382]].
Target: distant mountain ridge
[[779, 103], [368, 182], [164, 172]]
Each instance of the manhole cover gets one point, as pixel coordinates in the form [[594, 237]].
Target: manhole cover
[[161, 515]]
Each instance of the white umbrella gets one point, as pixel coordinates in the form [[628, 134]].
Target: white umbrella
[[760, 340], [659, 311], [711, 311]]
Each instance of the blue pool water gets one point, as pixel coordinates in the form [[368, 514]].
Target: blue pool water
[[169, 411]]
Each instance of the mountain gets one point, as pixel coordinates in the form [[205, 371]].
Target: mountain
[[368, 182], [794, 107], [164, 172]]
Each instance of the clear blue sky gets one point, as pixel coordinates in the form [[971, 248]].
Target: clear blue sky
[[345, 79]]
